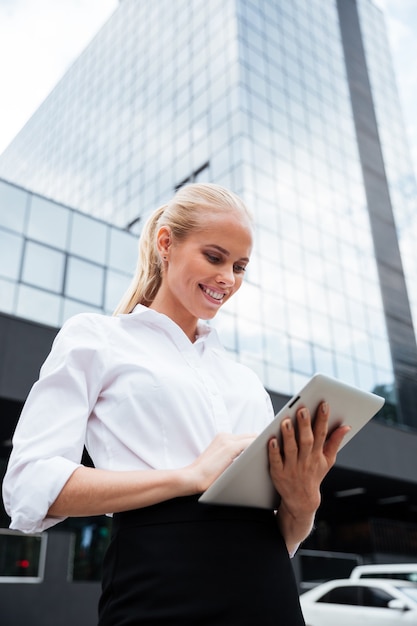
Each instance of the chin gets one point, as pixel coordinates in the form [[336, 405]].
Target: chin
[[208, 315]]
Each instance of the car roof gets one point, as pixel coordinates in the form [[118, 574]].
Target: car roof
[[386, 567], [372, 581], [358, 582]]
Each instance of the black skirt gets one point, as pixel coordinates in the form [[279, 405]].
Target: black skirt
[[186, 563]]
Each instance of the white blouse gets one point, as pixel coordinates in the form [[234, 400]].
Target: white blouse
[[137, 393]]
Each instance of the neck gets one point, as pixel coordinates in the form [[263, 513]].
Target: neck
[[187, 323]]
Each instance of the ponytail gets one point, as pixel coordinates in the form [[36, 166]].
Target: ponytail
[[147, 279]]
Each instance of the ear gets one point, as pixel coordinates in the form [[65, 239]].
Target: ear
[[163, 241]]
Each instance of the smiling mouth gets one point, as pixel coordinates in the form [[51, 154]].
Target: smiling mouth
[[216, 295]]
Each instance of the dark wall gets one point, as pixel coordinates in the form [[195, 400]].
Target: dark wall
[[54, 602], [382, 450], [24, 346]]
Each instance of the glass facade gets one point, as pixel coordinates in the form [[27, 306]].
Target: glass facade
[[56, 262], [314, 283], [397, 160], [251, 95]]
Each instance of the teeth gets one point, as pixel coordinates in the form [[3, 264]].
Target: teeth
[[214, 294]]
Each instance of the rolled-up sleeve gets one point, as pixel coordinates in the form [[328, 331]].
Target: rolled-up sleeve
[[49, 439]]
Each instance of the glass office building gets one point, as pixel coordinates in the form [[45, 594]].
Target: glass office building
[[254, 96], [293, 105]]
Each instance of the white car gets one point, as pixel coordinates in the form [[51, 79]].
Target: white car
[[401, 571], [362, 602]]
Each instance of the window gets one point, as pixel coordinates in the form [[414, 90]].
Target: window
[[84, 281], [10, 254], [91, 541], [372, 596], [88, 238], [13, 204], [342, 595], [200, 175], [43, 267], [123, 251], [48, 222], [22, 557]]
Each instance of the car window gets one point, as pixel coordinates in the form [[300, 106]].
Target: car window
[[341, 595], [372, 596], [411, 576], [411, 592]]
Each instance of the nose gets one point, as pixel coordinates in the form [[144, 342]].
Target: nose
[[226, 277]]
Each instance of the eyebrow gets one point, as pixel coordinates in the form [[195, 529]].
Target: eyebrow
[[226, 252]]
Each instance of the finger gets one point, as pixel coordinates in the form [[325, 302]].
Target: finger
[[241, 442], [321, 425], [289, 442], [245, 440], [334, 441], [305, 435], [276, 461]]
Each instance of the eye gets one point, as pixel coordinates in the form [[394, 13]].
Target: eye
[[213, 258], [239, 269]]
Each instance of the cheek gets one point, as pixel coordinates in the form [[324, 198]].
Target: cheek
[[238, 283]]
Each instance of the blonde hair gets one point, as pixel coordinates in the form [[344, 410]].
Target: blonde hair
[[183, 214]]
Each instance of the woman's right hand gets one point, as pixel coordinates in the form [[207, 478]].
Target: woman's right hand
[[221, 452]]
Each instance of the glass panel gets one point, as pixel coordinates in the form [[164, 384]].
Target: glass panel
[[250, 339], [301, 357], [345, 368], [277, 378], [43, 267], [40, 306], [7, 291], [226, 327], [48, 222], [13, 203], [84, 281], [276, 348], [323, 361], [116, 285], [10, 254], [91, 542], [123, 251], [88, 238], [73, 307]]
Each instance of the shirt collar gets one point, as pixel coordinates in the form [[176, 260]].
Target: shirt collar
[[205, 334]]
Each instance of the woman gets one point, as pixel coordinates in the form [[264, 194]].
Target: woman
[[163, 411]]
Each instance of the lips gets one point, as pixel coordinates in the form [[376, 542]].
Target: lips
[[216, 295]]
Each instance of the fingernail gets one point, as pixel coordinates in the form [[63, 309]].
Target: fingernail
[[304, 414], [274, 443], [287, 424], [324, 407]]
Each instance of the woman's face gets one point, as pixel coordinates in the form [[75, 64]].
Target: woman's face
[[202, 272]]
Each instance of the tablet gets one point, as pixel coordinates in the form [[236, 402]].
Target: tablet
[[246, 482]]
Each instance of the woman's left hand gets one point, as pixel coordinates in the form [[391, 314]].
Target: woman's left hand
[[298, 466]]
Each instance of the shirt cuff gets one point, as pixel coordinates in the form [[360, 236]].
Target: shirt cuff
[[29, 494]]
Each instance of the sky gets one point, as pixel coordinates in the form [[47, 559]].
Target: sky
[[39, 40]]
